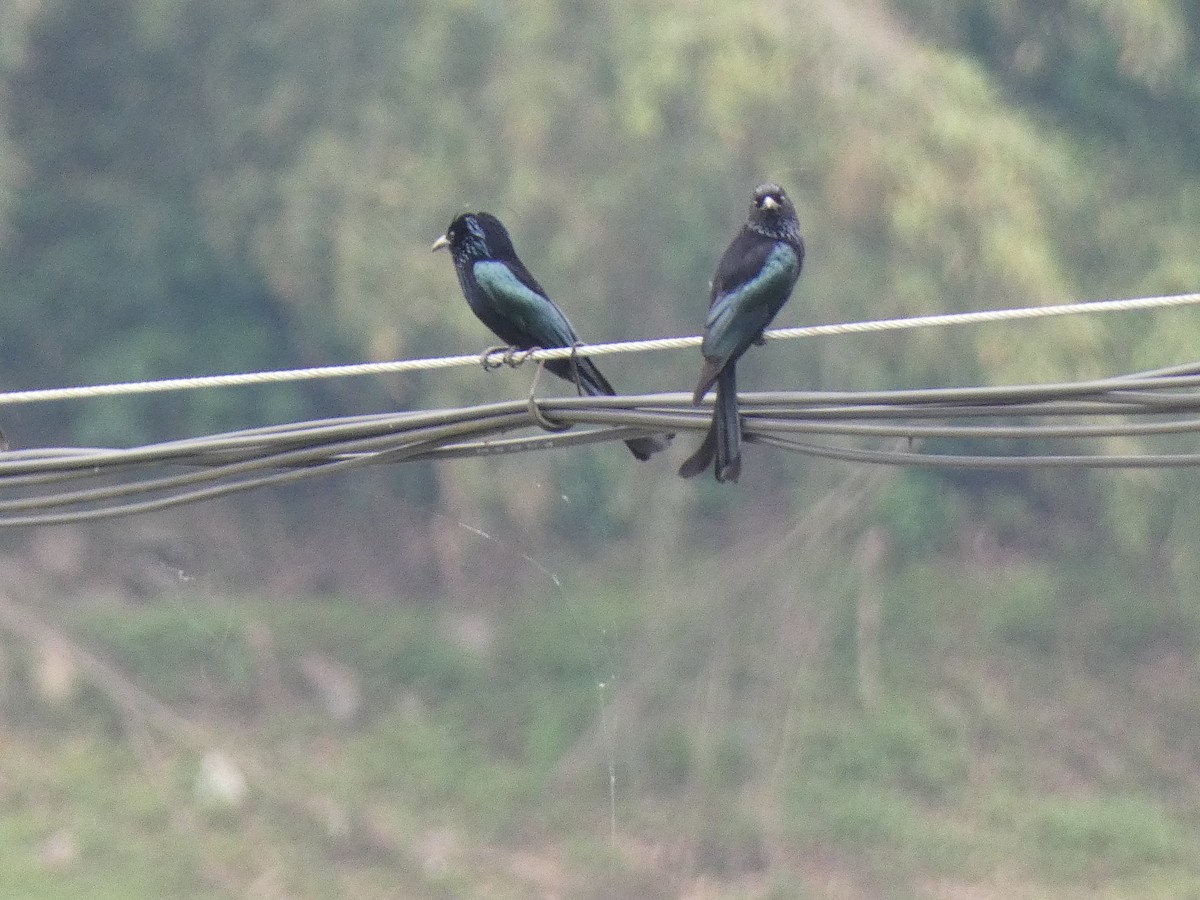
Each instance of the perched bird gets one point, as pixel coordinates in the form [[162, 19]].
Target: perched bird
[[509, 301], [753, 281]]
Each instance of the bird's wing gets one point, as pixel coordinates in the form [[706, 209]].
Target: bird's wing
[[752, 283], [519, 302], [743, 261]]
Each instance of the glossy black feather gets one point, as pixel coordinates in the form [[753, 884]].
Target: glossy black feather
[[506, 297], [754, 279]]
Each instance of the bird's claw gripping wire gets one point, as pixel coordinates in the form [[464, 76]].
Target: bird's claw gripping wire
[[490, 363], [544, 421], [508, 356], [516, 356]]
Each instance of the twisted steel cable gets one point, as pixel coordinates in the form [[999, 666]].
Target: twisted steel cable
[[45, 486]]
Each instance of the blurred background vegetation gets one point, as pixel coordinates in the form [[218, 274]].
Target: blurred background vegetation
[[568, 675]]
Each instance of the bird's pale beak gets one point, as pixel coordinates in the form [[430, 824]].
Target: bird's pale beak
[[440, 243], [770, 202]]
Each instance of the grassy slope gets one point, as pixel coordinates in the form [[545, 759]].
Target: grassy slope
[[1014, 750]]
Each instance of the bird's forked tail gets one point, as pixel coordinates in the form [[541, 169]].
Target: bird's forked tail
[[723, 441]]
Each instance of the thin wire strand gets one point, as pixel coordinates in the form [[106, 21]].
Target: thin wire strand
[[1072, 420], [43, 395], [222, 464]]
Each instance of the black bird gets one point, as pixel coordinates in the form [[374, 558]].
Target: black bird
[[509, 301], [753, 281]]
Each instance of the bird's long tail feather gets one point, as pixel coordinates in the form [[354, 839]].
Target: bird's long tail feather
[[583, 372], [723, 441], [699, 461], [728, 427], [645, 447]]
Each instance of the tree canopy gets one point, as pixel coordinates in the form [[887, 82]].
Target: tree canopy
[[226, 186]]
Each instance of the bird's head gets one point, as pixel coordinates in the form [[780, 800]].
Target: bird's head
[[772, 212], [475, 236]]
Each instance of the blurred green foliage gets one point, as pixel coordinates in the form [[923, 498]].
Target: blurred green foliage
[[989, 762], [221, 185], [268, 179]]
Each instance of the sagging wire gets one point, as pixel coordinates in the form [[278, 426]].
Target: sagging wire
[[47, 486], [59, 485]]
